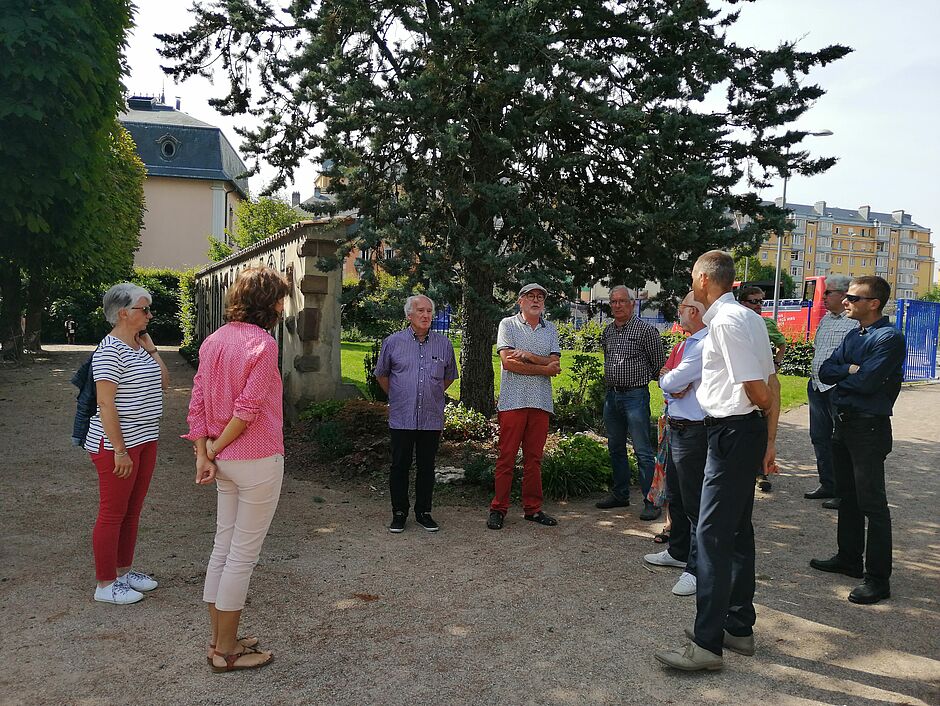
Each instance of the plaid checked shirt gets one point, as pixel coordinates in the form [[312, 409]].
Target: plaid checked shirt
[[633, 354], [829, 334]]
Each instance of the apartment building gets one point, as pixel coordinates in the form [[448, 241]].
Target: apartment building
[[854, 242]]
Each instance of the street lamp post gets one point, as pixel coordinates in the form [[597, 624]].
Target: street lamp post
[[786, 175]]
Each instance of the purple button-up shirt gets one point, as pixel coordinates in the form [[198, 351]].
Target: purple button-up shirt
[[417, 373]]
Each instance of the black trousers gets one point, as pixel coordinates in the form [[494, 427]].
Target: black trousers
[[420, 445], [685, 471], [859, 449], [724, 597]]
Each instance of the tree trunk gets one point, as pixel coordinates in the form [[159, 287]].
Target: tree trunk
[[35, 305], [479, 334], [11, 309]]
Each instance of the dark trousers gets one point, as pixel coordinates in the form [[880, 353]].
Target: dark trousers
[[725, 560], [821, 425], [859, 449], [420, 445], [685, 472]]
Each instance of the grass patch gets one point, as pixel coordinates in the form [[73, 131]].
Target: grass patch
[[792, 387]]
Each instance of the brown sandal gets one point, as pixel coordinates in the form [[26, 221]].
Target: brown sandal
[[249, 641], [232, 659]]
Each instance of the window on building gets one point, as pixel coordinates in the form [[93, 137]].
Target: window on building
[[763, 255], [389, 253], [839, 260], [795, 255], [838, 230]]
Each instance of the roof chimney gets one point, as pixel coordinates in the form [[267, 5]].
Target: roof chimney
[[864, 211], [820, 207], [778, 202], [177, 102], [295, 198], [897, 216]]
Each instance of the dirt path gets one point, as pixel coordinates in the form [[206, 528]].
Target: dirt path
[[528, 615]]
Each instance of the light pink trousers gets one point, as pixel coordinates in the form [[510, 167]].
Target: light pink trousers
[[248, 492]]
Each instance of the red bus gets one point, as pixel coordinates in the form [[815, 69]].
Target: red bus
[[796, 318]]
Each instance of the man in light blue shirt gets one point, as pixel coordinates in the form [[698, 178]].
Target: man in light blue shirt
[[688, 447]]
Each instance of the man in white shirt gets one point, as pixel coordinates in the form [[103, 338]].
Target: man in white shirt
[[740, 395], [688, 447], [831, 331]]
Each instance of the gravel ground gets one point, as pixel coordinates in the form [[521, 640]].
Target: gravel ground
[[566, 615]]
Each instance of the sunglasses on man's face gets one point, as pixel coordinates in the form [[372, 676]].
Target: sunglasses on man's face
[[753, 301], [856, 298]]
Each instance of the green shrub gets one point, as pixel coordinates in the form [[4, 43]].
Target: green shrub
[[588, 337], [671, 340], [479, 470], [322, 411], [376, 393], [798, 359], [189, 347], [354, 334], [462, 423], [164, 288], [566, 335], [577, 467], [332, 440], [581, 408]]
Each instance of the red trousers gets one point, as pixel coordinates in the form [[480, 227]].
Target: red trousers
[[119, 506], [527, 427]]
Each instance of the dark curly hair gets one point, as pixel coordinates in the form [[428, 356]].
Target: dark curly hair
[[252, 297]]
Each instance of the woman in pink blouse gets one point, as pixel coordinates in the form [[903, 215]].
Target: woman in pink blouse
[[236, 422]]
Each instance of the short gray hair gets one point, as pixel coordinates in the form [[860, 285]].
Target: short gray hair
[[122, 296], [621, 288], [410, 302], [718, 266], [838, 283]]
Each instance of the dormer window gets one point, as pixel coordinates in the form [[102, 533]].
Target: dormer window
[[169, 147]]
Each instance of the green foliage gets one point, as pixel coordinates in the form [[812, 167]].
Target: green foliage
[[255, 220], [798, 358], [462, 423], [332, 439], [763, 271], [164, 287], [375, 391], [490, 144], [578, 466], [587, 338], [374, 306], [218, 250], [189, 346], [322, 411], [479, 469], [671, 339], [581, 406], [354, 334], [932, 296]]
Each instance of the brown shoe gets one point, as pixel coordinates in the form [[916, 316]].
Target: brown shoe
[[248, 658], [690, 658]]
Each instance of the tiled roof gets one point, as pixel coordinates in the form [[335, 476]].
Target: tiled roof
[[851, 215]]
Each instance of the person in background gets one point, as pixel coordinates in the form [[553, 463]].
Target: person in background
[[753, 299], [70, 328], [236, 421], [832, 329], [415, 368], [633, 355], [130, 378]]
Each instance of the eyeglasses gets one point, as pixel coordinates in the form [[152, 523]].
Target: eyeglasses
[[620, 302], [752, 301], [855, 298], [532, 296], [833, 291], [145, 309]]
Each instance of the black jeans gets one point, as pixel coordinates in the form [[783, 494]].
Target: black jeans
[[725, 560], [859, 449], [420, 445], [820, 433], [685, 471]]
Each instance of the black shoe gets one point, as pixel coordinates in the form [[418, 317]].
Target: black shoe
[[425, 520], [398, 522], [764, 485], [870, 592], [650, 511], [542, 519], [820, 493], [835, 565], [612, 501], [495, 520], [832, 503]]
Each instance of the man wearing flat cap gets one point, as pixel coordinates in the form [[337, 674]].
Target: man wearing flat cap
[[530, 353]]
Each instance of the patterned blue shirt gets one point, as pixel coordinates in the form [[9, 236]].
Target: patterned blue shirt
[[417, 373]]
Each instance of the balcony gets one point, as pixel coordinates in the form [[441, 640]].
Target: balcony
[[823, 244], [882, 237]]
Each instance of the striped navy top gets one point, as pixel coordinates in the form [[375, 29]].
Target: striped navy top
[[139, 396]]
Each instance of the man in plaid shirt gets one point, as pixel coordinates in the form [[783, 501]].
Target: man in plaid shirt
[[633, 355]]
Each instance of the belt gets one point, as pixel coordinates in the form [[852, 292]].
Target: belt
[[684, 423], [626, 388], [712, 421], [849, 414]]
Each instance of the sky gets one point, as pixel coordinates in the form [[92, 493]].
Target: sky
[[881, 104]]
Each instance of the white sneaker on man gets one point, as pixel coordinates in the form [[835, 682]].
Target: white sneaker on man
[[685, 586], [663, 558], [138, 581], [118, 593]]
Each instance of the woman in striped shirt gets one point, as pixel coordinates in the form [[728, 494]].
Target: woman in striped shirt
[[122, 439], [237, 424]]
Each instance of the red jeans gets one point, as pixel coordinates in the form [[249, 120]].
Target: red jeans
[[119, 505], [527, 427]]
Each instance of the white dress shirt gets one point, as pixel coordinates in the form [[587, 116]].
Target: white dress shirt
[[687, 372], [737, 350]]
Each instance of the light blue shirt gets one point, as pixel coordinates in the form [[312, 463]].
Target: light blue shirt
[[688, 372]]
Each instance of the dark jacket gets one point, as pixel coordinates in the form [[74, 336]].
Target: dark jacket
[[87, 401]]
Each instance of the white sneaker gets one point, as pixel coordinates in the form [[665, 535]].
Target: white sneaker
[[686, 584], [118, 593], [663, 558], [138, 581]]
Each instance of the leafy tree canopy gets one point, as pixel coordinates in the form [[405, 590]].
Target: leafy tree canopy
[[255, 220], [604, 138], [759, 271]]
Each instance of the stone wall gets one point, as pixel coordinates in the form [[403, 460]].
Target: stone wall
[[309, 333]]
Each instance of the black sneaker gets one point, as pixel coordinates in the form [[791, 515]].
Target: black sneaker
[[398, 522], [495, 520], [650, 511], [425, 520], [612, 501]]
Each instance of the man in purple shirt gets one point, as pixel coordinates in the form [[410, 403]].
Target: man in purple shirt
[[415, 367]]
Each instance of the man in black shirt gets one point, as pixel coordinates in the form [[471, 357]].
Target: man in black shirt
[[866, 370]]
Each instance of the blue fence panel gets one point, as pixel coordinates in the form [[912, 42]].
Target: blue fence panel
[[920, 323], [441, 322]]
